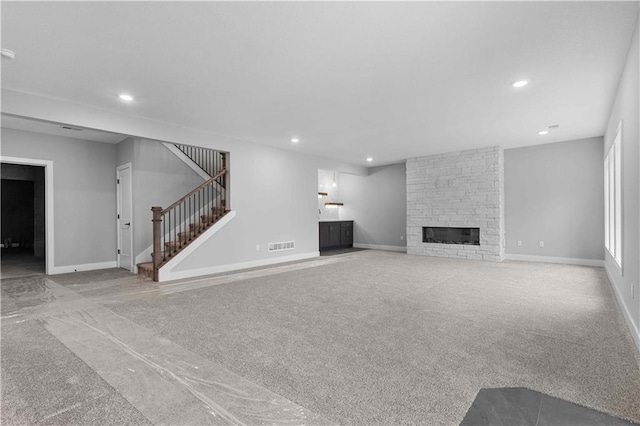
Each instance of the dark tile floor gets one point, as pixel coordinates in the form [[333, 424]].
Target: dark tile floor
[[520, 406]]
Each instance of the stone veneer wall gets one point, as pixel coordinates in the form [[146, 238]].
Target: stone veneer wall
[[458, 189]]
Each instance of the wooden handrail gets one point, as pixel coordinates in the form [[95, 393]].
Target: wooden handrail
[[176, 226], [202, 185]]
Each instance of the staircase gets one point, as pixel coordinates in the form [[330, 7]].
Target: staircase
[[177, 226]]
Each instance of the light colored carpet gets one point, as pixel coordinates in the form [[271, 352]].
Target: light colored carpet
[[388, 338]]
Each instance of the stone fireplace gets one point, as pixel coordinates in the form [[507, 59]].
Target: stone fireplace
[[455, 204]]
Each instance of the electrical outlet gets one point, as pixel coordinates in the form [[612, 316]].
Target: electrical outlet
[[257, 247], [633, 290], [401, 237], [541, 243], [519, 243]]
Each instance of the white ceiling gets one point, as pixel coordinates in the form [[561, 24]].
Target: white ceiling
[[58, 129], [390, 80]]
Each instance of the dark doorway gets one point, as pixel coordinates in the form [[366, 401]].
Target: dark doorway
[[23, 220]]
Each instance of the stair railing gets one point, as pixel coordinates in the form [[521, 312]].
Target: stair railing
[[177, 225], [207, 159]]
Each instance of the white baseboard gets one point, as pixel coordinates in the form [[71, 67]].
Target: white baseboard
[[551, 259], [633, 328], [84, 267], [166, 275], [380, 247]]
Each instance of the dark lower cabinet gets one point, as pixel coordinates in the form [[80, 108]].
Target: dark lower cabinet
[[346, 233], [325, 239], [336, 234]]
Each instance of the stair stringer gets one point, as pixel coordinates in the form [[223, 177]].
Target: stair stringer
[[165, 274], [186, 160]]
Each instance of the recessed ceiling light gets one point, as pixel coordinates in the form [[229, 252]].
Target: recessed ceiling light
[[125, 97], [295, 140], [369, 159], [543, 132], [520, 83]]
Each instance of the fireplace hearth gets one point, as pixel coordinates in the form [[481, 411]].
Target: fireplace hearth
[[451, 235]]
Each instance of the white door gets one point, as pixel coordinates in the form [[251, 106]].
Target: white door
[[125, 229]]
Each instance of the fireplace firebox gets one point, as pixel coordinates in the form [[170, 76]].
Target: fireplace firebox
[[450, 235]]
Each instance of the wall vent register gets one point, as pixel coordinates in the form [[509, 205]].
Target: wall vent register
[[450, 235], [287, 245]]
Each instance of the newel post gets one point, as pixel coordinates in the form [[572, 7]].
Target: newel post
[[157, 230]]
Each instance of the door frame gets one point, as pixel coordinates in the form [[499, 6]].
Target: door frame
[[48, 204], [121, 167]]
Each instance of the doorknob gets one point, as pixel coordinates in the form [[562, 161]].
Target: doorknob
[[127, 224]]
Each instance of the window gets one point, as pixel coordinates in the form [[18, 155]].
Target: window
[[613, 198]]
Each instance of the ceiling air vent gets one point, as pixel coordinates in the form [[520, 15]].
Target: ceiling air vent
[[287, 245]]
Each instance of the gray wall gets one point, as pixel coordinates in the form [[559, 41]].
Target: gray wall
[[159, 179], [271, 206], [554, 193], [84, 193], [627, 108], [377, 203], [124, 151], [274, 194], [273, 191]]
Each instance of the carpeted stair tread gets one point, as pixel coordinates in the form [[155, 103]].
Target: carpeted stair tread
[[173, 246], [145, 269], [196, 227], [208, 218], [186, 236]]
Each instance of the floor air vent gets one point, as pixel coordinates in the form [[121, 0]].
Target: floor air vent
[[288, 245]]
